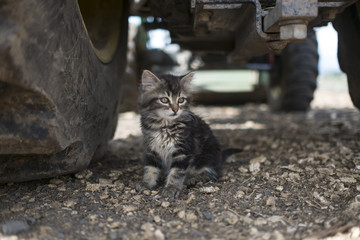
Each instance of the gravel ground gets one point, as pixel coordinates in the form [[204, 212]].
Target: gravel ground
[[297, 178]]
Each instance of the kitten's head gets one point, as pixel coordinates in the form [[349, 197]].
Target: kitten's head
[[165, 97]]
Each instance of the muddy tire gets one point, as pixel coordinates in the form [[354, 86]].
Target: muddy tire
[[347, 25], [60, 80], [293, 79]]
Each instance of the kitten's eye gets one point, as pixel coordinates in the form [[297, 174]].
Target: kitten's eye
[[164, 100], [181, 100]]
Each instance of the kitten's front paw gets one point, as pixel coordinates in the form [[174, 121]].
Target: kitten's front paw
[[140, 187], [170, 192]]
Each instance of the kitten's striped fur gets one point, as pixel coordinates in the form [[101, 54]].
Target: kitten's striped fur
[[177, 142]]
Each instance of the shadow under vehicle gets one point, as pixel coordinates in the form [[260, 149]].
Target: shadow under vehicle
[[62, 65]]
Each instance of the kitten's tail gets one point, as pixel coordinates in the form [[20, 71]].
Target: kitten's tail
[[228, 152]]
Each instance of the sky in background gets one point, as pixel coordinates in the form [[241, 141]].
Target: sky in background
[[327, 40]]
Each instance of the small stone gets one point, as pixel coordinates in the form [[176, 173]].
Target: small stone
[[355, 233], [239, 194], [207, 215], [115, 225], [129, 208], [137, 198], [157, 219], [119, 185], [93, 217], [56, 181], [147, 227], [105, 182], [348, 179], [254, 165], [70, 203], [243, 170], [165, 204], [181, 214], [15, 227], [230, 217], [275, 219], [115, 174], [209, 189], [260, 221], [45, 230], [84, 174], [159, 235], [191, 217], [104, 196], [322, 199], [279, 188], [146, 192], [270, 201], [92, 187], [326, 171], [277, 235], [190, 199]]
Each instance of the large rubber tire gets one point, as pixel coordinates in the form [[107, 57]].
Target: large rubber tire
[[347, 25], [293, 78], [62, 64]]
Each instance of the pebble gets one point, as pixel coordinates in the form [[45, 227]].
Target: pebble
[[191, 217], [210, 189], [105, 182], [84, 174], [129, 208], [70, 203], [230, 217], [165, 204], [348, 179], [239, 194], [270, 201], [207, 215], [14, 227], [115, 225], [146, 192], [181, 214], [260, 222], [159, 235], [93, 217], [92, 187], [190, 199], [157, 219]]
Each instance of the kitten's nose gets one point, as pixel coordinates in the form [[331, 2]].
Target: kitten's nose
[[174, 107]]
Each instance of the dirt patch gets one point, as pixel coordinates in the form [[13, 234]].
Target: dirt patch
[[298, 177]]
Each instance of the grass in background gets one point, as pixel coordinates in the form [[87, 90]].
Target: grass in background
[[226, 80], [333, 82]]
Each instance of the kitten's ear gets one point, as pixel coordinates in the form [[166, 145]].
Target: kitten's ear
[[186, 80], [149, 80]]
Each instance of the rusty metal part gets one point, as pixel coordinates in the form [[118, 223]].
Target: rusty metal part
[[290, 18], [199, 5]]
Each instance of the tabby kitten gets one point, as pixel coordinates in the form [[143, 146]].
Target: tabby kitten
[[178, 144]]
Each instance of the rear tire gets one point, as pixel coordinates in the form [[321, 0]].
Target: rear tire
[[293, 79], [347, 25]]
